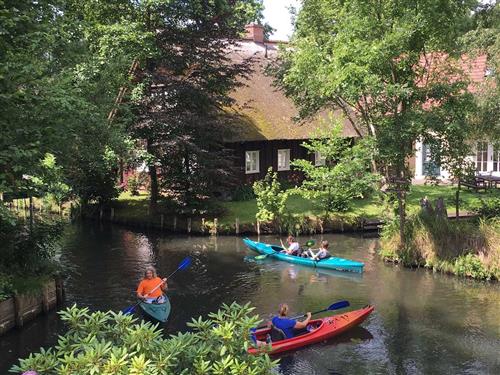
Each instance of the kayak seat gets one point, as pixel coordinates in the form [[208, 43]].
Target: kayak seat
[[277, 334]]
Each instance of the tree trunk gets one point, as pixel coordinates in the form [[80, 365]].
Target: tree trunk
[[187, 181], [31, 214], [402, 217], [457, 200], [153, 176]]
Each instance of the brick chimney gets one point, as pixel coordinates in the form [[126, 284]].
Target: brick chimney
[[255, 32]]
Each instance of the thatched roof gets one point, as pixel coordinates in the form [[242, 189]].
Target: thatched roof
[[262, 112]]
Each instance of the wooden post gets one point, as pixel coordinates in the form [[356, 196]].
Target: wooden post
[[237, 226], [202, 225], [7, 315], [189, 225], [162, 220], [59, 290], [258, 228], [175, 224], [216, 221], [31, 212], [49, 296]]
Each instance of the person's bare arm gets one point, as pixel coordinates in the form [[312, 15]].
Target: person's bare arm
[[164, 286], [304, 323]]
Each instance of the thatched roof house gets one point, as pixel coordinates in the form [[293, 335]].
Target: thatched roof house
[[265, 133]]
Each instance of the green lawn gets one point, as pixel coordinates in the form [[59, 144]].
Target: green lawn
[[136, 207]]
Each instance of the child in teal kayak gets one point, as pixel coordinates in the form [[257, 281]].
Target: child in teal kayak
[[322, 253], [287, 326]]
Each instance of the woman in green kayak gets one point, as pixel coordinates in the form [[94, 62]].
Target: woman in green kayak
[[151, 288]]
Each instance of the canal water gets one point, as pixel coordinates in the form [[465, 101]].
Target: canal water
[[423, 323]]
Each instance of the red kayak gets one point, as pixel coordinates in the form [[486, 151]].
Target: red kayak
[[322, 329]]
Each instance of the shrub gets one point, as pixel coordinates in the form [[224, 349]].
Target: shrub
[[243, 193], [108, 343], [470, 265], [271, 198], [27, 250], [345, 176], [133, 185], [487, 208], [6, 287]]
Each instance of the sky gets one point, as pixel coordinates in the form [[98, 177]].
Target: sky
[[277, 15]]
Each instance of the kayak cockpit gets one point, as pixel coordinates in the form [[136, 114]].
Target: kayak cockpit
[[313, 326]]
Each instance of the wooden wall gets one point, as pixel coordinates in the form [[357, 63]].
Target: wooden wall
[[268, 153]]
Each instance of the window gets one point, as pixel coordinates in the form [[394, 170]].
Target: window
[[251, 162], [482, 157], [429, 168], [284, 160], [496, 160], [319, 159]]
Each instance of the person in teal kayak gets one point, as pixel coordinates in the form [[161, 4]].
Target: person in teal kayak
[[293, 246], [322, 253], [286, 325], [151, 288]]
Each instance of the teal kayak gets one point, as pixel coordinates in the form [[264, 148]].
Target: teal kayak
[[156, 311], [333, 263]]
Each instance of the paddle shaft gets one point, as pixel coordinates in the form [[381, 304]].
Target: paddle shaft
[[334, 306], [313, 313]]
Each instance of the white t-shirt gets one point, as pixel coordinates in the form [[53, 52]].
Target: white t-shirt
[[294, 246], [322, 253]]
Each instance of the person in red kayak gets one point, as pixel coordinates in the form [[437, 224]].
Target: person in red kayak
[[151, 288], [286, 325]]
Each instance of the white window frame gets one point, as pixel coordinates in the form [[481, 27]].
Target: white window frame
[[318, 159], [495, 160], [286, 153], [252, 161], [482, 157]]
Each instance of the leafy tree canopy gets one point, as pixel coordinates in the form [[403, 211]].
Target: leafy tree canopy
[[387, 65]]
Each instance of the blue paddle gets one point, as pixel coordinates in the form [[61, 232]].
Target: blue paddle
[[334, 306], [183, 265]]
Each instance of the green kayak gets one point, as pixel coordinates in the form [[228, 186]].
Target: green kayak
[[156, 311]]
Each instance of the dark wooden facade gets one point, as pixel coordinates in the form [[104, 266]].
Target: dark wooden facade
[[268, 157]]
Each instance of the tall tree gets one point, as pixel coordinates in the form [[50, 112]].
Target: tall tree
[[61, 64], [386, 64], [483, 38], [184, 91]]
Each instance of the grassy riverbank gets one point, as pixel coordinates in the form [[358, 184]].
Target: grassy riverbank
[[135, 208], [465, 248]]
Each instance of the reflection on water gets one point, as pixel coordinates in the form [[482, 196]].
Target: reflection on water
[[423, 322]]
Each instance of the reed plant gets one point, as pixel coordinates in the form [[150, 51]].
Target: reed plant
[[468, 248]]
